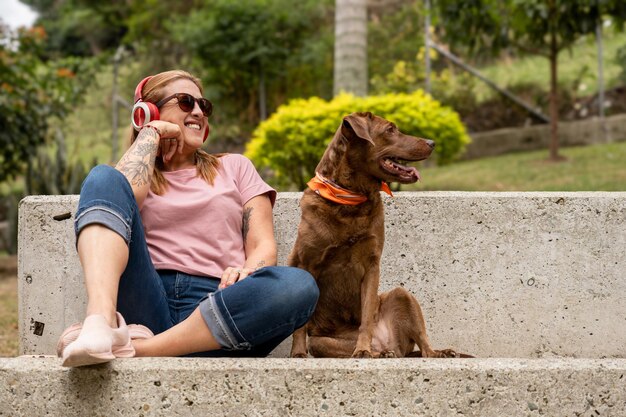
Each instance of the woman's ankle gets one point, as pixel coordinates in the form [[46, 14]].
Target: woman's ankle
[[109, 315]]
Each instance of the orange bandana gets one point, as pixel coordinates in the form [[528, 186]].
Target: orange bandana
[[331, 191]]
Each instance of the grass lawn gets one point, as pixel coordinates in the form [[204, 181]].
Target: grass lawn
[[590, 168]]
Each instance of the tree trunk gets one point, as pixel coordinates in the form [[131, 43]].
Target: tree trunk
[[350, 71], [554, 109], [262, 94], [554, 104], [427, 45]]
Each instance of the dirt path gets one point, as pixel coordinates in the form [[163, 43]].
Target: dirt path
[[8, 306]]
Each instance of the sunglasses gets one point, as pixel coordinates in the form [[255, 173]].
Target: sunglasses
[[186, 102]]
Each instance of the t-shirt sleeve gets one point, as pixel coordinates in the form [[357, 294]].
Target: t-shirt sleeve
[[250, 183]]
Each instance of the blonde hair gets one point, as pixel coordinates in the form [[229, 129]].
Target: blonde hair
[[206, 164]]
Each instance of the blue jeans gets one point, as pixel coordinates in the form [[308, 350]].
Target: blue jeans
[[249, 318]]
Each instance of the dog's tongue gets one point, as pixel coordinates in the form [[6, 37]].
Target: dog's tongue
[[404, 171], [415, 172]]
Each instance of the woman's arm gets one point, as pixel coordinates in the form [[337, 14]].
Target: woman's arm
[[258, 240], [137, 164], [258, 233]]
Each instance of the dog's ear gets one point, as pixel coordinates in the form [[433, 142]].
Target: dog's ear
[[357, 125]]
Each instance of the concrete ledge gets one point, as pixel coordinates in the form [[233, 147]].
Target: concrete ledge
[[314, 387], [526, 275], [508, 275]]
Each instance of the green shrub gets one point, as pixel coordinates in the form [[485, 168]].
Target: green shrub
[[291, 142]]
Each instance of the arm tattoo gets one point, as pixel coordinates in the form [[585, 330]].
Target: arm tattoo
[[136, 165], [260, 264], [247, 212]]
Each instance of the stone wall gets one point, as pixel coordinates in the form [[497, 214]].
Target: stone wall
[[578, 133]]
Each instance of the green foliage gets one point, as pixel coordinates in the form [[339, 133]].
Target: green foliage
[[537, 27], [512, 71], [292, 141], [526, 25], [394, 35], [32, 93], [149, 33], [80, 27], [45, 175], [52, 176], [450, 87], [246, 46]]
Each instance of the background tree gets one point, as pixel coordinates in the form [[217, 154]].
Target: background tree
[[149, 32], [255, 54], [538, 27], [80, 27], [32, 94], [394, 33], [350, 60]]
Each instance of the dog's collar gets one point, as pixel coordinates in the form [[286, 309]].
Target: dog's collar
[[333, 192]]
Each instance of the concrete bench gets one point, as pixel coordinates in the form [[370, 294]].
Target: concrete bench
[[534, 283]]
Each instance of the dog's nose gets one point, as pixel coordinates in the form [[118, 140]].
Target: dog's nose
[[431, 143]]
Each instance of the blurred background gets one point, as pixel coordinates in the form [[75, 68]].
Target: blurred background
[[519, 95]]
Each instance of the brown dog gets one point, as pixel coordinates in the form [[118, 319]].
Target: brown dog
[[340, 242]]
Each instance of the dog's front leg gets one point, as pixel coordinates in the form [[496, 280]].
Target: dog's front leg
[[369, 308], [298, 343]]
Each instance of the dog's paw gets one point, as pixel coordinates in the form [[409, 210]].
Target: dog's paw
[[449, 353], [362, 354], [298, 355], [445, 353], [388, 354]]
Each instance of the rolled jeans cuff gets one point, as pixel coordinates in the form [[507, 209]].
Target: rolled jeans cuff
[[104, 215], [217, 324]]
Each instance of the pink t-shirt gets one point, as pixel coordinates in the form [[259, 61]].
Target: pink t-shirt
[[196, 228]]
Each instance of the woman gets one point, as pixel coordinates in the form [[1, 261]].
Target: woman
[[181, 242]]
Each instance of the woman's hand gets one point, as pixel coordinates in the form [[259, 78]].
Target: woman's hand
[[169, 138], [234, 274], [258, 238]]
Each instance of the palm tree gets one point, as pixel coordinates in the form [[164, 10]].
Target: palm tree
[[350, 70]]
